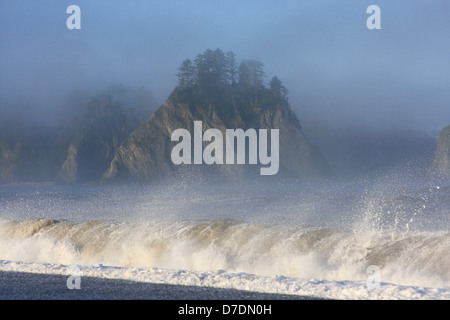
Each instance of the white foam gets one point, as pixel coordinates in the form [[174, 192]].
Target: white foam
[[240, 281], [418, 259]]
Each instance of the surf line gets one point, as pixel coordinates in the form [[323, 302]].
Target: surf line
[[213, 152]]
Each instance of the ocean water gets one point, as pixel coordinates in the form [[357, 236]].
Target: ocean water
[[322, 239]]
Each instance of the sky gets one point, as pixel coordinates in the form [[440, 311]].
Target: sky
[[337, 71]]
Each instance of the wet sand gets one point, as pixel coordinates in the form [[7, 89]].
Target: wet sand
[[32, 286]]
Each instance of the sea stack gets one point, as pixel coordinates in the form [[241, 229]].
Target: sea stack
[[221, 96], [106, 123], [441, 162]]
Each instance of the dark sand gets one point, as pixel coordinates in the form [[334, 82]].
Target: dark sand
[[32, 286]]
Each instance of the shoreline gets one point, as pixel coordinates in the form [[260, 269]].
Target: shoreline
[[36, 286]]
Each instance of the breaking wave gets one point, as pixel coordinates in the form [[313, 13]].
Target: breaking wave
[[410, 258]]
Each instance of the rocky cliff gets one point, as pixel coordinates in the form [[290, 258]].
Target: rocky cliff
[[441, 162], [8, 159], [31, 154], [108, 143], [146, 154], [215, 91], [106, 123]]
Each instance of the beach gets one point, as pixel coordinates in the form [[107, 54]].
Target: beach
[[34, 286], [334, 241]]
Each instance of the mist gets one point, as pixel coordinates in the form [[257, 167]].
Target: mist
[[344, 80]]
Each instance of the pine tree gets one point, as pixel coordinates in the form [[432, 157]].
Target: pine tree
[[231, 67], [278, 89], [186, 75], [251, 76], [211, 69]]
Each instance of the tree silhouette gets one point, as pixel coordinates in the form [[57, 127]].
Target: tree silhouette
[[231, 67], [251, 77], [278, 89], [186, 75], [214, 79]]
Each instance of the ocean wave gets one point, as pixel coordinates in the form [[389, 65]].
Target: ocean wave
[[303, 252]]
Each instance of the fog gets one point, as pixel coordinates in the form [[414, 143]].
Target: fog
[[341, 76]]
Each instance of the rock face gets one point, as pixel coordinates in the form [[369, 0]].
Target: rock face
[[146, 154], [214, 90], [8, 159], [32, 155], [441, 162], [109, 144], [76, 149], [68, 173], [105, 125]]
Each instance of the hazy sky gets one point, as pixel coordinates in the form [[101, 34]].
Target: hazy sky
[[334, 67]]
